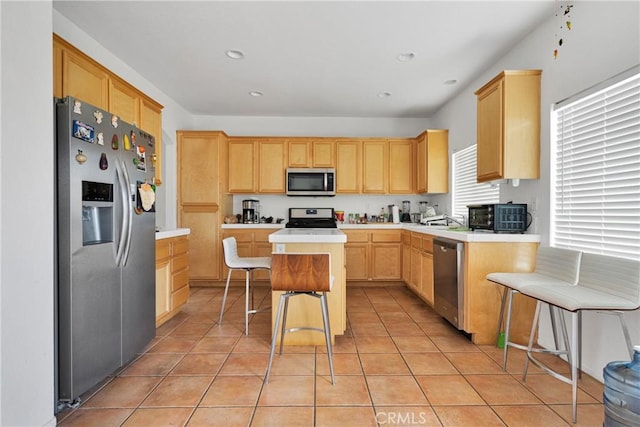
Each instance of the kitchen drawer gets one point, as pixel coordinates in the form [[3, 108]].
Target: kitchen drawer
[[406, 238], [179, 262], [241, 236], [427, 244], [356, 236], [163, 249], [385, 236], [261, 236], [180, 246], [179, 280], [180, 297]]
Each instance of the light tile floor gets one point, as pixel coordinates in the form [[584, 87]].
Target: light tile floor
[[397, 364]]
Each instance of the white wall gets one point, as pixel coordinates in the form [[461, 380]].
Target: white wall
[[604, 41], [26, 216]]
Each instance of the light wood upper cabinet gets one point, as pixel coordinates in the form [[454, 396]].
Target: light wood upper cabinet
[[77, 75], [509, 126], [432, 152], [348, 166], [199, 175], [401, 166], [257, 165], [83, 79], [57, 70], [242, 168], [124, 101], [151, 122], [323, 153], [375, 161], [311, 153], [299, 153], [272, 161]]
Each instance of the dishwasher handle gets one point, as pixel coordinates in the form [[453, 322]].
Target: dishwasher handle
[[446, 244]]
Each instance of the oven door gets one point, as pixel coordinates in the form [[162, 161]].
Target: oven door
[[310, 182]]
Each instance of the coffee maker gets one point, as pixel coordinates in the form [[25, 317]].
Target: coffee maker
[[250, 211]]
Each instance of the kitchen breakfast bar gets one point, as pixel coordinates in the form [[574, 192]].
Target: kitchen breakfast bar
[[304, 311]]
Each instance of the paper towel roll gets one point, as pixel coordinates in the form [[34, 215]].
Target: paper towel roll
[[396, 214]]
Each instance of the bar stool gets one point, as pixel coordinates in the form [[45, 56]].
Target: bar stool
[[301, 274], [607, 285], [248, 264], [554, 267]]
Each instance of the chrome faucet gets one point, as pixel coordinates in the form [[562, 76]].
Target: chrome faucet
[[450, 220]]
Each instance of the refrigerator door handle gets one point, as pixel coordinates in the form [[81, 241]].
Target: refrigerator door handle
[[124, 198], [128, 214]]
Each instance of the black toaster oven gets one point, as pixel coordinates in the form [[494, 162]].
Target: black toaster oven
[[499, 218]]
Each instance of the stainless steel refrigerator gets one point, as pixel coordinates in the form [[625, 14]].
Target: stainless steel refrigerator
[[105, 206]]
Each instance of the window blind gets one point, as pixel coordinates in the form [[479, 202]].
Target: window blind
[[596, 176], [466, 190]]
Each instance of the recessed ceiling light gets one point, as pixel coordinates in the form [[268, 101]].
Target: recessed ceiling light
[[234, 54], [450, 82], [384, 94], [256, 93], [405, 57]]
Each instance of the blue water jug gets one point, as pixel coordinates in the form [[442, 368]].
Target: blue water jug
[[622, 392]]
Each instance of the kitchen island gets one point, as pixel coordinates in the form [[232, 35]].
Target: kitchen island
[[304, 311]]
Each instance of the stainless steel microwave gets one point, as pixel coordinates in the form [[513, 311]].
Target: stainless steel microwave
[[311, 182]]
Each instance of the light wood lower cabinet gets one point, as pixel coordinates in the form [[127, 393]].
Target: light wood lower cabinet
[[420, 265], [481, 297], [373, 255], [203, 221], [172, 277]]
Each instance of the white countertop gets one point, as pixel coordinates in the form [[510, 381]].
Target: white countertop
[[321, 234], [165, 234], [473, 236], [376, 225], [308, 235], [274, 226]]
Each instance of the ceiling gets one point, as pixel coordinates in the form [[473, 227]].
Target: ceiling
[[308, 58]]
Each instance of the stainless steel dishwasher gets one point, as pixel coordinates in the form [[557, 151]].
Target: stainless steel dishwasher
[[448, 260]]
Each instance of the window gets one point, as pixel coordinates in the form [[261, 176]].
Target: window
[[466, 190], [596, 169]]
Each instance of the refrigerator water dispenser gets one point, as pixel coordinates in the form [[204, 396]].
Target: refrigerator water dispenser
[[97, 225]]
